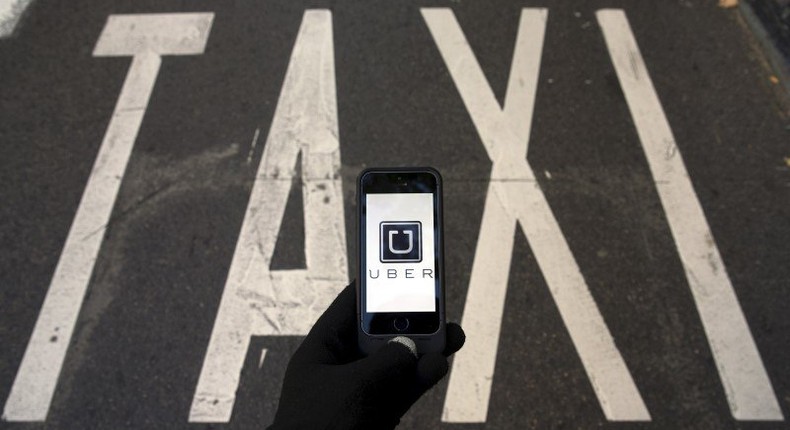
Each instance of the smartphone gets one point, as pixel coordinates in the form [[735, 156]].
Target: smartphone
[[400, 285]]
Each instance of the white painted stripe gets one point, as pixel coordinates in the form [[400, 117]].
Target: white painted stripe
[[35, 382], [262, 358], [38, 373], [515, 196], [472, 372], [258, 301], [742, 373], [158, 33], [10, 13]]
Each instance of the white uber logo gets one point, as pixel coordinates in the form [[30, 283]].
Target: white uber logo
[[401, 242]]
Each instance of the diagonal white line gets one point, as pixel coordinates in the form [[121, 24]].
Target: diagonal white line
[[10, 14], [742, 373]]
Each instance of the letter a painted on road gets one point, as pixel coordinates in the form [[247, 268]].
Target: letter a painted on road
[[258, 301]]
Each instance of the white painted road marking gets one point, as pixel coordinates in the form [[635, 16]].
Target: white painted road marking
[[514, 196], [160, 34], [258, 301], [145, 37], [741, 369], [10, 13]]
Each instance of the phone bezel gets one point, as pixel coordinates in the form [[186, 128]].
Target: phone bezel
[[385, 180]]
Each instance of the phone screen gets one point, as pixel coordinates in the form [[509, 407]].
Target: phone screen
[[400, 251], [400, 259]]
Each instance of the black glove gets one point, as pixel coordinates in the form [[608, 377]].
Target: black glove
[[329, 384]]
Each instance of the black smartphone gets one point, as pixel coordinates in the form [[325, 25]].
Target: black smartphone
[[400, 285]]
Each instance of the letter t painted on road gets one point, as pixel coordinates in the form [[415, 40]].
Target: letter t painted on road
[[146, 38]]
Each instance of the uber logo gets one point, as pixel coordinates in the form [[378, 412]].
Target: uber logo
[[401, 241]]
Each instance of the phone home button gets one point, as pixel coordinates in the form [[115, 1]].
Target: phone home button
[[400, 323]]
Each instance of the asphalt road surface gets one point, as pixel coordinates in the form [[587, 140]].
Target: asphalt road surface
[[177, 187]]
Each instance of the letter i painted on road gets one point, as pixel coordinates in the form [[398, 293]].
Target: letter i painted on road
[[146, 38], [514, 197], [740, 367], [258, 301]]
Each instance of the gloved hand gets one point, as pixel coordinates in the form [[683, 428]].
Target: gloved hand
[[329, 384]]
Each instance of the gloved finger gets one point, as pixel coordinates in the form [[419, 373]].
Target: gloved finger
[[384, 380], [333, 338], [431, 368], [455, 339], [388, 367]]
